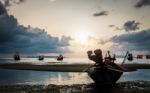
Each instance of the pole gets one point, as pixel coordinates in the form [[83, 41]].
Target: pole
[[125, 57]]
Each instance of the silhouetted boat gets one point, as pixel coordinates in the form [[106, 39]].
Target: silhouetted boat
[[139, 56], [41, 57], [147, 56], [105, 75], [60, 58], [16, 56]]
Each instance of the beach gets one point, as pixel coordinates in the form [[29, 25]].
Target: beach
[[26, 81], [74, 46], [120, 87]]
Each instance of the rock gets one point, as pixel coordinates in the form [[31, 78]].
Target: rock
[[123, 87]]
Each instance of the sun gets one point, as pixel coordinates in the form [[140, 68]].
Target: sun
[[81, 37]]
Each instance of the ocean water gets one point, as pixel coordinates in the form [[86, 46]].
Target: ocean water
[[18, 77]]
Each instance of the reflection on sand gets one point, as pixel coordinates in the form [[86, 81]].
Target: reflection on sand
[[69, 79], [10, 77]]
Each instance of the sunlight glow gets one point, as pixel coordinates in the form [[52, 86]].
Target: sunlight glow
[[81, 37]]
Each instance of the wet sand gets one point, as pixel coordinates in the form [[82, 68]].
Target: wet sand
[[65, 67], [120, 87]]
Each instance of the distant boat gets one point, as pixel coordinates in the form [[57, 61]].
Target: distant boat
[[60, 58], [41, 57], [139, 56], [147, 56], [17, 56]]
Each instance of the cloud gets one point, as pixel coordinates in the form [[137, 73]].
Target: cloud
[[52, 0], [2, 9], [127, 26], [19, 1], [103, 41], [111, 25], [15, 37], [131, 25], [8, 3], [138, 41], [142, 3], [115, 27], [102, 13]]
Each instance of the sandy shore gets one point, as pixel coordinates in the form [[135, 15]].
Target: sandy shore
[[120, 87], [63, 67]]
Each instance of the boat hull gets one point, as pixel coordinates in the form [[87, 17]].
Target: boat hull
[[104, 75]]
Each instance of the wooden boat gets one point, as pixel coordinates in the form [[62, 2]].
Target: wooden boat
[[147, 56], [41, 57], [139, 56], [60, 58], [17, 56], [105, 75]]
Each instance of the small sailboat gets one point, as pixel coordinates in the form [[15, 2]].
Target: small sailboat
[[60, 57]]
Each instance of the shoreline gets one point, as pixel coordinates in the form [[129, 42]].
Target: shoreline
[[137, 86]]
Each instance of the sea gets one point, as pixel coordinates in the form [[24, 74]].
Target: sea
[[26, 77]]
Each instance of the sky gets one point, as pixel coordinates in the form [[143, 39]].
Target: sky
[[72, 27]]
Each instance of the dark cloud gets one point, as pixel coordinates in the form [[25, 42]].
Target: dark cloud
[[102, 41], [142, 3], [8, 3], [102, 13], [15, 37], [115, 27], [131, 25], [111, 25], [2, 9], [127, 26], [138, 41], [20, 1]]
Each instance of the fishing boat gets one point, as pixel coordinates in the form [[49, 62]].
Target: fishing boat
[[60, 58], [41, 57], [105, 75], [17, 56]]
